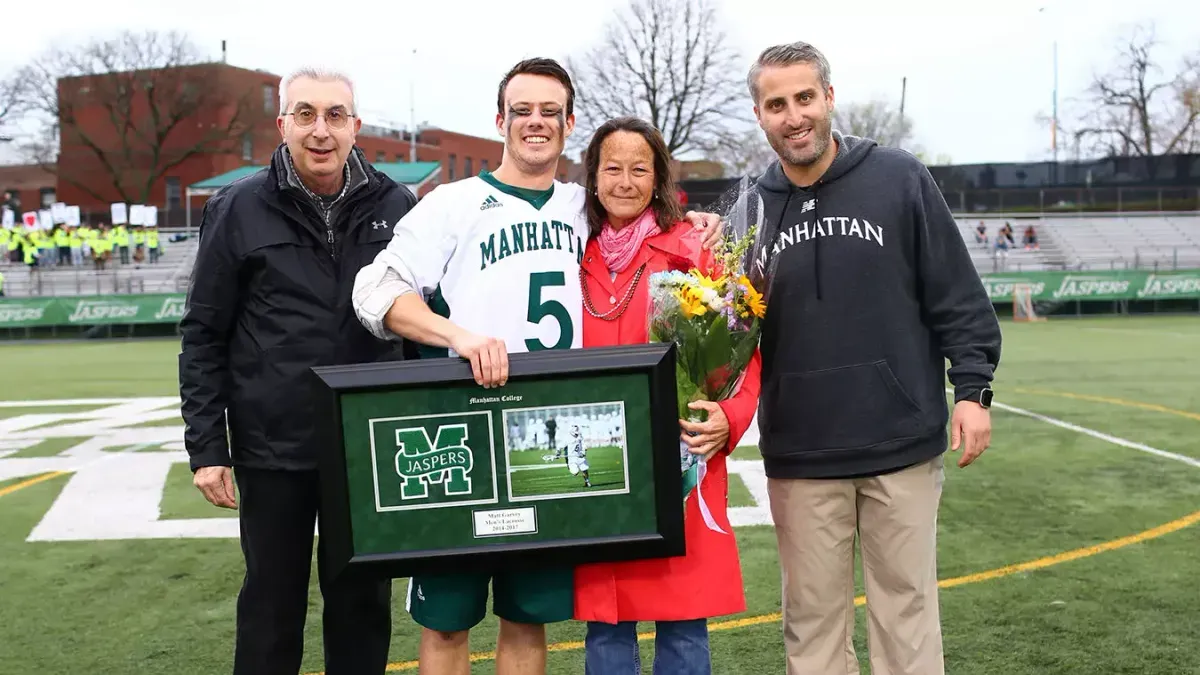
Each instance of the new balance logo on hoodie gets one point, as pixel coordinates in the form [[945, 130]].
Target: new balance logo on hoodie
[[490, 203]]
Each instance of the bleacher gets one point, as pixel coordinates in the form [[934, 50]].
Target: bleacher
[[1048, 255], [169, 275], [1089, 242], [1064, 243]]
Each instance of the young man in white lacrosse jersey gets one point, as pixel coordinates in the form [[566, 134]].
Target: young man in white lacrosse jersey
[[577, 457], [501, 253]]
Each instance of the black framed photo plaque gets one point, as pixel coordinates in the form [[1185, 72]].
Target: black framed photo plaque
[[575, 459]]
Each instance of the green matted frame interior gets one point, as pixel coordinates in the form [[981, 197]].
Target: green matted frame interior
[[426, 471]]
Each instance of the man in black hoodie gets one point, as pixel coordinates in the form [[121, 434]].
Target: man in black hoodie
[[870, 288]]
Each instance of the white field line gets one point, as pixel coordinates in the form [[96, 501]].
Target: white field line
[[159, 401], [1115, 440], [138, 479], [1109, 438]]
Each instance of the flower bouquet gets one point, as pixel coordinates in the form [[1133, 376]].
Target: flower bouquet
[[714, 320]]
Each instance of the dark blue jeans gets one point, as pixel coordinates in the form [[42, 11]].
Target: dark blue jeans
[[680, 648]]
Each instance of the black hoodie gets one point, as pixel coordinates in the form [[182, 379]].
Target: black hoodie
[[871, 288]]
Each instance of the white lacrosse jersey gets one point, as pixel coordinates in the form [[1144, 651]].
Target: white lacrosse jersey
[[577, 450], [502, 265]]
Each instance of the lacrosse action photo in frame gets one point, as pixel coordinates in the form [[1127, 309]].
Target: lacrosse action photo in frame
[[575, 459]]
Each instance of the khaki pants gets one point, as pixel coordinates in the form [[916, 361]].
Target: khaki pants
[[896, 520]]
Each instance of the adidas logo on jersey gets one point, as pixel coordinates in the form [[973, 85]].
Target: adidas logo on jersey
[[490, 203]]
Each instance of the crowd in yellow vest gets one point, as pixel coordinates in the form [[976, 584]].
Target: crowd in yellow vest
[[76, 246]]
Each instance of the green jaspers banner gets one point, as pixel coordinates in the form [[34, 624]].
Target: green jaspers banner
[[1111, 285], [1046, 286], [91, 311]]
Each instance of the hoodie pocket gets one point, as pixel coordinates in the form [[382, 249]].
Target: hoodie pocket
[[851, 406]]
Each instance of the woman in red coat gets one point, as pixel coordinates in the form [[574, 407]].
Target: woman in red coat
[[634, 217]]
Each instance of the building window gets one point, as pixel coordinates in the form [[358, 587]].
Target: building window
[[173, 193], [467, 167], [450, 167], [380, 156], [482, 165], [269, 101], [247, 147]]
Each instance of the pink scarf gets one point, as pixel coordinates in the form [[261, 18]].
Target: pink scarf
[[619, 247]]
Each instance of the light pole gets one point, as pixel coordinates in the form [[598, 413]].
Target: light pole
[[1054, 107], [412, 109], [1054, 124]]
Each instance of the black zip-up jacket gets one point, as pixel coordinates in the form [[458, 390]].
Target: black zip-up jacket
[[871, 290], [269, 299]]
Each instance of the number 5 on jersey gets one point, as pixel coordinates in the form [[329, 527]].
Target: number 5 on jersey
[[540, 309]]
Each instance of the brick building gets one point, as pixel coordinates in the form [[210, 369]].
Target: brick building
[[229, 123], [31, 184]]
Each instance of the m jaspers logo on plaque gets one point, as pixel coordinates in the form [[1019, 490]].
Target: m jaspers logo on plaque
[[446, 460], [433, 461]]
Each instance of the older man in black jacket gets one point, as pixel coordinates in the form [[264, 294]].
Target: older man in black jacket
[[270, 298]]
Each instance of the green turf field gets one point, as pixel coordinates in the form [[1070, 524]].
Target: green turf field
[[1094, 456], [531, 475]]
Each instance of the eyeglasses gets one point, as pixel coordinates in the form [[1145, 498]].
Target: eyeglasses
[[335, 118]]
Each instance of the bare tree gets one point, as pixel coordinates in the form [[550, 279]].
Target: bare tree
[[668, 62], [13, 101], [133, 108], [875, 119], [1135, 109]]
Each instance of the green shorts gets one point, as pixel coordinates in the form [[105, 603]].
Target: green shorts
[[457, 602]]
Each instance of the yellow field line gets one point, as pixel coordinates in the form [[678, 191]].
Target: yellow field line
[[32, 481], [1110, 400], [1008, 570]]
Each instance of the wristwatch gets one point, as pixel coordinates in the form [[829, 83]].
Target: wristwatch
[[983, 398]]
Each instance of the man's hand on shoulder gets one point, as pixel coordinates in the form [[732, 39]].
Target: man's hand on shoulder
[[971, 428], [488, 357], [216, 484], [710, 225]]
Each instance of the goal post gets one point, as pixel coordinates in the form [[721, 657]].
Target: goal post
[[1023, 303]]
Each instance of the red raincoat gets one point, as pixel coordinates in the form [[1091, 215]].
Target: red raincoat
[[707, 581]]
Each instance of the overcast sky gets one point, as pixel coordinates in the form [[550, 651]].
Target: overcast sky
[[978, 72]]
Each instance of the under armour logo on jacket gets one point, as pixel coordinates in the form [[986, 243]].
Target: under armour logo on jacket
[[378, 224]]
